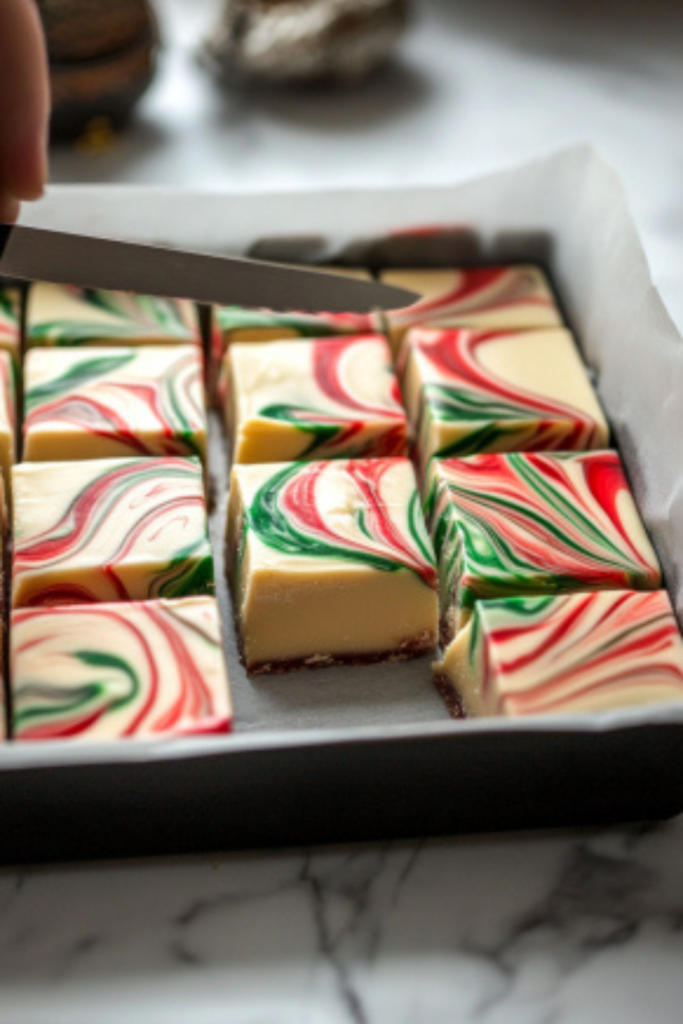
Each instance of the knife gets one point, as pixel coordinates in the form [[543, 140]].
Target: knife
[[35, 254]]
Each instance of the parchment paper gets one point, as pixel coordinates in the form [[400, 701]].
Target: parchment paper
[[567, 211]]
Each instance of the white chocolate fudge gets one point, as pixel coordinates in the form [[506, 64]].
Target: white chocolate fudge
[[113, 671], [491, 298], [329, 562], [480, 391], [518, 524], [570, 653], [101, 403], [8, 418], [64, 315], [109, 530], [232, 324], [319, 399], [10, 323]]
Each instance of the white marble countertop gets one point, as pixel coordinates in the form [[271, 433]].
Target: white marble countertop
[[570, 929]]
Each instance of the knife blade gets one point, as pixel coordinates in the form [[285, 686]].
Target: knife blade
[[36, 254]]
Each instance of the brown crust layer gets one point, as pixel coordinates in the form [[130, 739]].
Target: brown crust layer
[[451, 697], [413, 648]]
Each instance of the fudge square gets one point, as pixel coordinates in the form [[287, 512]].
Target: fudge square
[[10, 322], [105, 403], [330, 562], [532, 523], [565, 653], [320, 399], [496, 297], [109, 530], [65, 315], [237, 324], [109, 671], [479, 391], [8, 417]]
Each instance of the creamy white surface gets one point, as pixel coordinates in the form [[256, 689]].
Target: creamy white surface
[[149, 636], [300, 606], [569, 929], [283, 373], [152, 391], [171, 510]]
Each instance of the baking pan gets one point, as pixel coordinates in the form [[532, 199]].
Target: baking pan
[[370, 753]]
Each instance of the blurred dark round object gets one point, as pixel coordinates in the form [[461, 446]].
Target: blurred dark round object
[[105, 89], [306, 40], [85, 29]]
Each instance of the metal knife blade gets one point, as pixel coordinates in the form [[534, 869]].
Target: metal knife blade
[[34, 254]]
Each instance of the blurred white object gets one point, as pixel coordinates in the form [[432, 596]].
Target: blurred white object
[[306, 40]]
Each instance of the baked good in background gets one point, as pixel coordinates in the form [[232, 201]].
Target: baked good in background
[[102, 58]]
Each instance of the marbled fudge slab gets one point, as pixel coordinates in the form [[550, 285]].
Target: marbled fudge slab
[[519, 524], [110, 671], [320, 399], [104, 403], [63, 315], [10, 322], [234, 324], [8, 417], [507, 298], [479, 391], [109, 530], [330, 562], [569, 653]]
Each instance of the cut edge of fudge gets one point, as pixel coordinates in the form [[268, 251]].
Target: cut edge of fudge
[[356, 583]]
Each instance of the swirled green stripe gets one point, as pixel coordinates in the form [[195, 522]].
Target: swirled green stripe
[[235, 318], [8, 307], [57, 702], [186, 575], [175, 413], [454, 404], [78, 376], [418, 530], [487, 438], [321, 433], [564, 507], [70, 332], [272, 527]]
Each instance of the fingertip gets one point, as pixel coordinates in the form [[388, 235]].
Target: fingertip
[[29, 168], [9, 209], [25, 91]]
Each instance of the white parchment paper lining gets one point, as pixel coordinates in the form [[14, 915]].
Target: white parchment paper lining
[[568, 210]]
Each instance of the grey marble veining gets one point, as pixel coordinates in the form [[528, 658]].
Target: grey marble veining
[[587, 927], [577, 928]]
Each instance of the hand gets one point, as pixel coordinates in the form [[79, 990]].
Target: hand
[[24, 106]]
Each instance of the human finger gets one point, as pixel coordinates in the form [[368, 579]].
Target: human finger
[[24, 101]]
